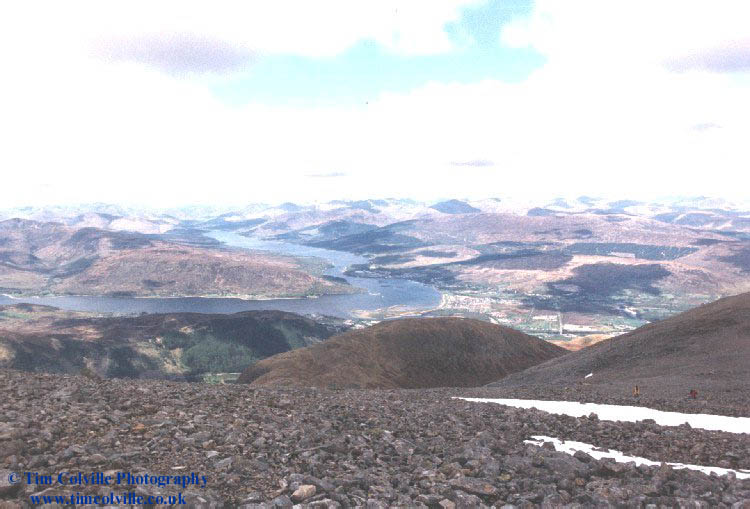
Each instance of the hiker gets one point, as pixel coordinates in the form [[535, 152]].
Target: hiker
[[636, 391], [693, 393]]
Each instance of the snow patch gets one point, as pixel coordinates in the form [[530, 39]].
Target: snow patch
[[590, 374], [571, 446], [628, 413]]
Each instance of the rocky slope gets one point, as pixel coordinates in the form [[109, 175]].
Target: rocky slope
[[706, 349], [50, 258], [170, 345], [410, 448], [407, 353]]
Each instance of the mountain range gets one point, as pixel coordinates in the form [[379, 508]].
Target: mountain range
[[572, 270]]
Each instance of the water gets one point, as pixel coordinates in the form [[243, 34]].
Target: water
[[379, 293]]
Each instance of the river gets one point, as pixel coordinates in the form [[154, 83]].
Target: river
[[378, 293]]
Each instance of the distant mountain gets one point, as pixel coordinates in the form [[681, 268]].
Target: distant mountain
[[407, 353], [368, 205], [327, 232], [228, 222], [623, 204], [92, 219], [455, 207], [63, 213], [290, 207], [706, 348], [372, 240], [44, 338], [139, 224], [540, 212]]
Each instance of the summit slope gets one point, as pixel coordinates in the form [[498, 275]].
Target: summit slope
[[706, 349]]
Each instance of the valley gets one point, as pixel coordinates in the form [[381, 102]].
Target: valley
[[562, 270], [333, 255], [443, 328], [566, 270]]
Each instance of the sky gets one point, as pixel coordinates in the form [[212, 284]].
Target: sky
[[179, 101]]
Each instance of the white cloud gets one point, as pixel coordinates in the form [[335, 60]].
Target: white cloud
[[604, 114], [300, 27], [608, 93], [603, 34]]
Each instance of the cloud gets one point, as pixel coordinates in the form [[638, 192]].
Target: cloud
[[191, 31], [705, 126], [176, 53], [603, 116], [326, 175], [733, 56], [685, 34], [477, 163]]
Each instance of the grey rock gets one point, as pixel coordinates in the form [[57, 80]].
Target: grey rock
[[224, 463], [474, 486], [303, 492], [282, 501], [8, 488]]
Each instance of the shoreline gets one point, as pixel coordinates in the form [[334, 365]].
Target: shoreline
[[244, 297]]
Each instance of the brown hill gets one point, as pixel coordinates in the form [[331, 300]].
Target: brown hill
[[409, 353], [706, 348], [42, 258]]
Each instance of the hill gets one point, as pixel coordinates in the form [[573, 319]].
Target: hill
[[409, 353], [706, 348], [170, 345], [50, 258], [455, 207]]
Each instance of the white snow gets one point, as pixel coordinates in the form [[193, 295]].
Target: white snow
[[570, 447], [590, 374], [628, 413]]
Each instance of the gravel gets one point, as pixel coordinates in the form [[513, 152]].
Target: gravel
[[331, 448]]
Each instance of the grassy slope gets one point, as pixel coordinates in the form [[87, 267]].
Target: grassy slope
[[408, 353], [707, 348], [42, 338]]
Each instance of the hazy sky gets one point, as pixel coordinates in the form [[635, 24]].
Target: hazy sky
[[168, 102]]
